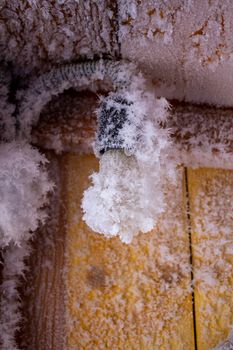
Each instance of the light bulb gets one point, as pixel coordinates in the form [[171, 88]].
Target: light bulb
[[126, 196], [121, 200]]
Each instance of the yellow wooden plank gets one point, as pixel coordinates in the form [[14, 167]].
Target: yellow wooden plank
[[42, 290], [211, 211], [126, 296]]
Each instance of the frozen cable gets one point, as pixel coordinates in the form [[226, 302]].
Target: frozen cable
[[79, 76]]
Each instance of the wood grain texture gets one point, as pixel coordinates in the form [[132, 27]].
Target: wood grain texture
[[42, 291], [126, 296], [101, 311], [85, 291], [211, 210]]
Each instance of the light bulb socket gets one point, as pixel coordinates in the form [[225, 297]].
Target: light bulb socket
[[113, 116]]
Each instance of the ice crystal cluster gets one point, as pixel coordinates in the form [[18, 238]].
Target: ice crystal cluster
[[227, 345], [121, 200], [40, 34], [10, 304], [24, 185], [184, 46]]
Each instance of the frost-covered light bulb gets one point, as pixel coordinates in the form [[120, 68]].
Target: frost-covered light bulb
[[126, 195], [119, 201]]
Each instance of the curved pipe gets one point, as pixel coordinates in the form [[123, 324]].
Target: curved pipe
[[41, 90]]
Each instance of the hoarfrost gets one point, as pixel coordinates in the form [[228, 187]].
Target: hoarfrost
[[170, 44], [24, 186], [184, 46], [127, 194], [10, 304], [119, 202], [35, 35]]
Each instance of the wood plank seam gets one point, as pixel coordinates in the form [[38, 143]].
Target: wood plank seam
[[210, 196], [189, 232]]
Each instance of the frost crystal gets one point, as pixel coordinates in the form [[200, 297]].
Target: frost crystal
[[184, 46], [10, 315], [121, 200], [24, 186]]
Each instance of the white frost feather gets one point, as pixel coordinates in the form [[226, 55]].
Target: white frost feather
[[24, 186]]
